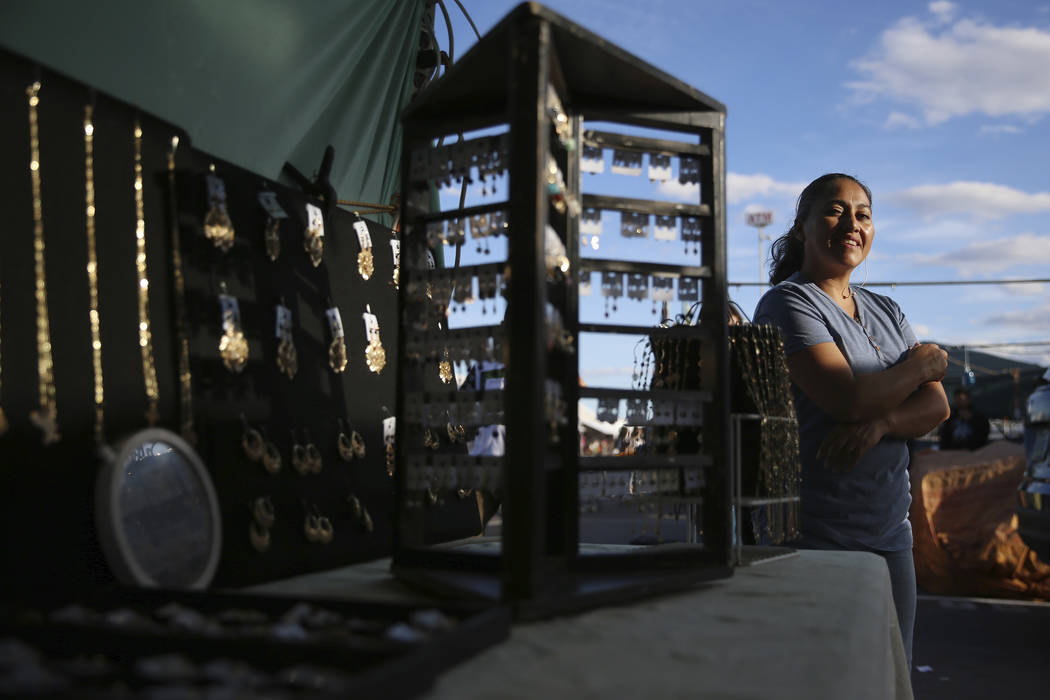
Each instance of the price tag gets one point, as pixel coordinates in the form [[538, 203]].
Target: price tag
[[389, 429], [585, 283], [659, 167], [371, 324], [431, 264], [314, 219], [666, 228], [283, 326], [216, 188], [395, 248], [335, 322], [268, 201], [231, 311], [361, 229]]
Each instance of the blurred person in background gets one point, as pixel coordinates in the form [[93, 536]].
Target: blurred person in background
[[966, 428]]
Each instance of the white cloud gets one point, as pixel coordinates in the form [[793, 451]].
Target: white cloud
[[673, 189], [1001, 293], [995, 129], [921, 330], [911, 231], [951, 68], [991, 256], [984, 200], [942, 11], [1036, 318], [900, 120], [744, 187]]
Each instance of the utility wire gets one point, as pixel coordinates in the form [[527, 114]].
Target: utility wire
[[920, 283]]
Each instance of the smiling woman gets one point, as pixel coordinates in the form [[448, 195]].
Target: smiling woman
[[862, 384]]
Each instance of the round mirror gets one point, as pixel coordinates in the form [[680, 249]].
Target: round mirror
[[157, 513]]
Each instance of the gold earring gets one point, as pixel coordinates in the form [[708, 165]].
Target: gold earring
[[311, 528], [251, 442], [272, 238], [287, 357], [355, 506], [271, 458], [344, 446], [313, 239], [263, 512], [445, 372], [337, 356], [313, 456], [233, 346], [375, 355], [430, 440], [358, 444], [299, 459], [218, 228], [259, 537], [325, 531], [365, 260]]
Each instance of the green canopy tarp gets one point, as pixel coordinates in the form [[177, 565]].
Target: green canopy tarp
[[255, 82]]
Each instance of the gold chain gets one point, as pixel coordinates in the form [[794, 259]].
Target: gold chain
[[149, 370], [185, 378], [3, 418], [46, 417], [92, 270]]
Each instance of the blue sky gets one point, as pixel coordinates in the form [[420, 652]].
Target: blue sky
[[941, 108]]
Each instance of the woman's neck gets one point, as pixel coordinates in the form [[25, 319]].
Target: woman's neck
[[835, 285]]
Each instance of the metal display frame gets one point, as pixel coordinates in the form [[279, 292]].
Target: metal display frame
[[504, 80]]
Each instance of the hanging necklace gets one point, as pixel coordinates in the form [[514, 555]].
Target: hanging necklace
[[185, 377], [92, 271], [149, 369], [46, 416]]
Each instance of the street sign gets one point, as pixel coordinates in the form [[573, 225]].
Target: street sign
[[759, 218]]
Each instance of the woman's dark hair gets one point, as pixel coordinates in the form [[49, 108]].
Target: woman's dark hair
[[787, 251]]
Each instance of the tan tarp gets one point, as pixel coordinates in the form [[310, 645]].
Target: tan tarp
[[963, 513]]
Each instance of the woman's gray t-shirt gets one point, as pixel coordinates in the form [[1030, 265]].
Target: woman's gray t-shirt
[[867, 506]]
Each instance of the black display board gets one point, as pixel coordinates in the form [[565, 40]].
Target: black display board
[[48, 528]]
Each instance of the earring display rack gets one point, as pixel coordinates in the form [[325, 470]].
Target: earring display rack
[[519, 99]]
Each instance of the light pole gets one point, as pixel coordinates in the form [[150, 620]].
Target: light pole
[[760, 219]]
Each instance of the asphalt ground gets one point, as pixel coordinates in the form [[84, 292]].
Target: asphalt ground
[[976, 648]]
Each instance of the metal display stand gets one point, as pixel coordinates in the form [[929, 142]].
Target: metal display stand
[[745, 555], [527, 87]]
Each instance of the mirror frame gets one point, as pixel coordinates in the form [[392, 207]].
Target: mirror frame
[[108, 485]]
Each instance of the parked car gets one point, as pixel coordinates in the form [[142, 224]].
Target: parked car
[[1033, 514]]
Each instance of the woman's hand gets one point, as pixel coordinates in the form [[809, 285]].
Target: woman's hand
[[847, 442], [933, 361]]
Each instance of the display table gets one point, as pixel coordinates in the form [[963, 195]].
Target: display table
[[819, 625]]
